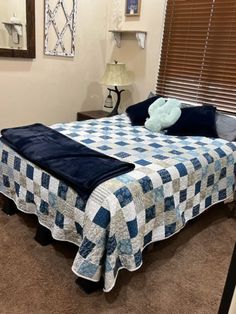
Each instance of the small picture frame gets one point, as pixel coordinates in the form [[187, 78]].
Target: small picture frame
[[132, 7]]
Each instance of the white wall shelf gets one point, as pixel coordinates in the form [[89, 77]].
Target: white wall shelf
[[140, 36]]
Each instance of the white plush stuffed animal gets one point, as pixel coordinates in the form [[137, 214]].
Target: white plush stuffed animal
[[163, 113]]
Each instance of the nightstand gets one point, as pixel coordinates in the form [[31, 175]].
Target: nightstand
[[95, 114]]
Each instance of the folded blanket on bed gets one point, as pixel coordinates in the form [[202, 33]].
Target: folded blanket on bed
[[79, 166]]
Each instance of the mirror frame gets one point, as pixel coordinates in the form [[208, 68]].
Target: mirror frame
[[30, 22]]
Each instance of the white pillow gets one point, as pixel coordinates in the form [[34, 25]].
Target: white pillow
[[225, 126]]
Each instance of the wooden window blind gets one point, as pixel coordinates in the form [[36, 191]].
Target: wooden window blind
[[198, 57]]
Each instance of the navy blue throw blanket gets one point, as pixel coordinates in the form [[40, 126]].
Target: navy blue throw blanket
[[77, 165]]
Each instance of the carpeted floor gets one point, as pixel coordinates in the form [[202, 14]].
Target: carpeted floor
[[184, 274]]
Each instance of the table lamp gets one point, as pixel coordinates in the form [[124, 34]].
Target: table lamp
[[116, 75]]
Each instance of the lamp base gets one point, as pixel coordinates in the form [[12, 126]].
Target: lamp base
[[114, 112]]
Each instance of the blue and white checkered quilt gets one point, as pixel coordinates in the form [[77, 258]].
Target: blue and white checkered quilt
[[175, 179]]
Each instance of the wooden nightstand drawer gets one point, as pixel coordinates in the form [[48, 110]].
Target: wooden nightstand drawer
[[95, 114]]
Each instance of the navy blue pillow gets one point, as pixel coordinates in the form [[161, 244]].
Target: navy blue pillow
[[138, 113], [198, 121]]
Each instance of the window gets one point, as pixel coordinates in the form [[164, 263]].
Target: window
[[198, 57]]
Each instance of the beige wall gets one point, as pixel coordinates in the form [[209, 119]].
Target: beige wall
[[52, 89], [143, 63]]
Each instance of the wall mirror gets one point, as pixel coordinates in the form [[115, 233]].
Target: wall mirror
[[17, 28]]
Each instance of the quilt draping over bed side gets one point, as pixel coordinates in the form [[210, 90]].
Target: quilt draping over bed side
[[175, 179]]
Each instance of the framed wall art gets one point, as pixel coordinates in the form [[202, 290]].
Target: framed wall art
[[132, 7], [60, 20]]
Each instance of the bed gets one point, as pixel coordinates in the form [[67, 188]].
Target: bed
[[175, 179]]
